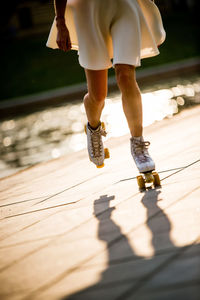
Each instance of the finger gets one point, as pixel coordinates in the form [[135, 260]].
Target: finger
[[64, 46], [59, 44], [69, 46]]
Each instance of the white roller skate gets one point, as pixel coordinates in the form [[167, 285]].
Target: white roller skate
[[96, 151], [144, 163]]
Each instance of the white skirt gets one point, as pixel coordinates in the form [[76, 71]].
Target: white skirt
[[123, 30]]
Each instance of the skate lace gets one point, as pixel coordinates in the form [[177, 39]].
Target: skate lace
[[140, 150], [96, 141]]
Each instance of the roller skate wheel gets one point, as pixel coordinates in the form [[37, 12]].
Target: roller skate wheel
[[106, 153], [141, 182], [149, 178], [157, 182], [99, 167]]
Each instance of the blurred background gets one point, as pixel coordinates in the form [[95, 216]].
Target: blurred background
[[28, 67]]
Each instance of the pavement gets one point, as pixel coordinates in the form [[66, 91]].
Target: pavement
[[71, 231]]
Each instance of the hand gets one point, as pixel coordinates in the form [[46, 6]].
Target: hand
[[63, 37]]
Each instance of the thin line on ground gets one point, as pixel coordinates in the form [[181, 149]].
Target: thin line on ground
[[165, 171]]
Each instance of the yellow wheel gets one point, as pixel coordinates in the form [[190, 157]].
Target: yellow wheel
[[157, 182], [85, 128], [149, 177], [99, 167], [106, 153], [141, 182], [103, 126]]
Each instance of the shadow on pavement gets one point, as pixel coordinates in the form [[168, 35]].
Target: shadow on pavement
[[127, 274]]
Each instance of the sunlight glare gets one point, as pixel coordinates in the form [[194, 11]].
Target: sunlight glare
[[156, 106]]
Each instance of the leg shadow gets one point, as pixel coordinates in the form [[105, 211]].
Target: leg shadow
[[175, 273], [127, 274], [157, 221], [119, 253]]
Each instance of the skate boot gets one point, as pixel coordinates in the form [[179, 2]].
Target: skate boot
[[96, 151], [144, 163], [139, 151]]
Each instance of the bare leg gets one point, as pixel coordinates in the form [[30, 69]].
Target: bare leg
[[131, 97], [94, 100], [132, 105]]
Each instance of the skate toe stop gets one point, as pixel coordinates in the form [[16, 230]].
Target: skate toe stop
[[100, 166]]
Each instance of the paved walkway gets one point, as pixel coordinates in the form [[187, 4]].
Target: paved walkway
[[71, 231]]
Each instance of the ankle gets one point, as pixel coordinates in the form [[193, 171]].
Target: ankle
[[136, 131], [137, 138], [94, 125]]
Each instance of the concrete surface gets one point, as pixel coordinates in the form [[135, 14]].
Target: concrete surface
[[71, 231]]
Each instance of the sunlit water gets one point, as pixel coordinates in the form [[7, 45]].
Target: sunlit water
[[53, 132]]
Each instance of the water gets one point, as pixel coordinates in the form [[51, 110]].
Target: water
[[53, 132]]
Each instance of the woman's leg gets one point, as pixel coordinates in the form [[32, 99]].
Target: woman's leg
[[132, 105], [131, 97], [94, 100]]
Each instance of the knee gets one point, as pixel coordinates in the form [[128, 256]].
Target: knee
[[97, 98], [125, 76]]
